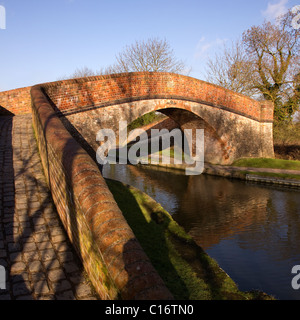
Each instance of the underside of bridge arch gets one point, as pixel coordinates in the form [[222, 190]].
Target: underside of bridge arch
[[228, 136], [214, 147]]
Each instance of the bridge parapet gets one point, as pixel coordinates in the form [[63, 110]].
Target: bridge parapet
[[17, 101], [112, 256], [83, 93], [92, 92]]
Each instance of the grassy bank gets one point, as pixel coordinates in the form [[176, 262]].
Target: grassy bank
[[268, 163], [188, 272]]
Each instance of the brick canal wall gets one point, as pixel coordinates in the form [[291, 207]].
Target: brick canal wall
[[112, 256]]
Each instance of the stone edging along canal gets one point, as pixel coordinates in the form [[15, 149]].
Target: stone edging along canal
[[243, 173]]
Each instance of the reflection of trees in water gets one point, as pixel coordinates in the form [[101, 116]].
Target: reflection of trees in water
[[260, 218], [221, 208], [280, 233], [214, 208]]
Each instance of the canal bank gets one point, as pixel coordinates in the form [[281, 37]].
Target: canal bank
[[187, 270], [270, 176]]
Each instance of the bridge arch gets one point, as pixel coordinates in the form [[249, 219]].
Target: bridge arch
[[215, 147], [235, 125]]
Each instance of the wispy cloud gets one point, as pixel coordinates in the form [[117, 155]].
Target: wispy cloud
[[274, 10], [204, 47]]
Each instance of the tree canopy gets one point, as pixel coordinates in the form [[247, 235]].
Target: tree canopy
[[264, 64]]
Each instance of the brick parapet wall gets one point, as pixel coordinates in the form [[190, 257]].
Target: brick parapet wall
[[112, 256], [17, 101], [84, 93], [78, 94]]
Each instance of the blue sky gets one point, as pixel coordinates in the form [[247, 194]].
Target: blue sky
[[47, 39]]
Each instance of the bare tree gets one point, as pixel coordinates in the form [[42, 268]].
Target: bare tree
[[231, 69], [153, 55], [86, 72], [79, 73], [83, 72], [264, 65], [274, 51]]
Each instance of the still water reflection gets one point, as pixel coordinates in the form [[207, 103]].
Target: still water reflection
[[253, 231]]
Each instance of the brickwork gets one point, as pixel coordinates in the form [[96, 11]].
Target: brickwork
[[228, 136], [112, 257], [71, 95], [16, 101], [235, 126]]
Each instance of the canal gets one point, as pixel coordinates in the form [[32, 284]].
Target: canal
[[253, 231]]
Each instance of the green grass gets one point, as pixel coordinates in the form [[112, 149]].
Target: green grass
[[188, 272], [144, 120], [173, 153], [267, 163]]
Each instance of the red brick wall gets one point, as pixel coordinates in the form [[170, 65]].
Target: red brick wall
[[95, 91], [17, 101], [80, 93], [113, 258]]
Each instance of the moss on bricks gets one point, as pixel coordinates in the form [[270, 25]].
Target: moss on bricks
[[188, 272]]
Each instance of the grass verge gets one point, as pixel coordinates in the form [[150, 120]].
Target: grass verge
[[267, 163], [188, 272]]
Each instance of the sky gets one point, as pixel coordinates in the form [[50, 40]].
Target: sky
[[45, 40]]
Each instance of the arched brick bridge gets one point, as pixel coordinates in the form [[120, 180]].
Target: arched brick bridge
[[235, 126]]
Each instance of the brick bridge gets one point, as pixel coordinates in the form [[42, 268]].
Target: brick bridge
[[235, 126]]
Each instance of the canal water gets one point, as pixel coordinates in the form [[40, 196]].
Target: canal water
[[253, 231]]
